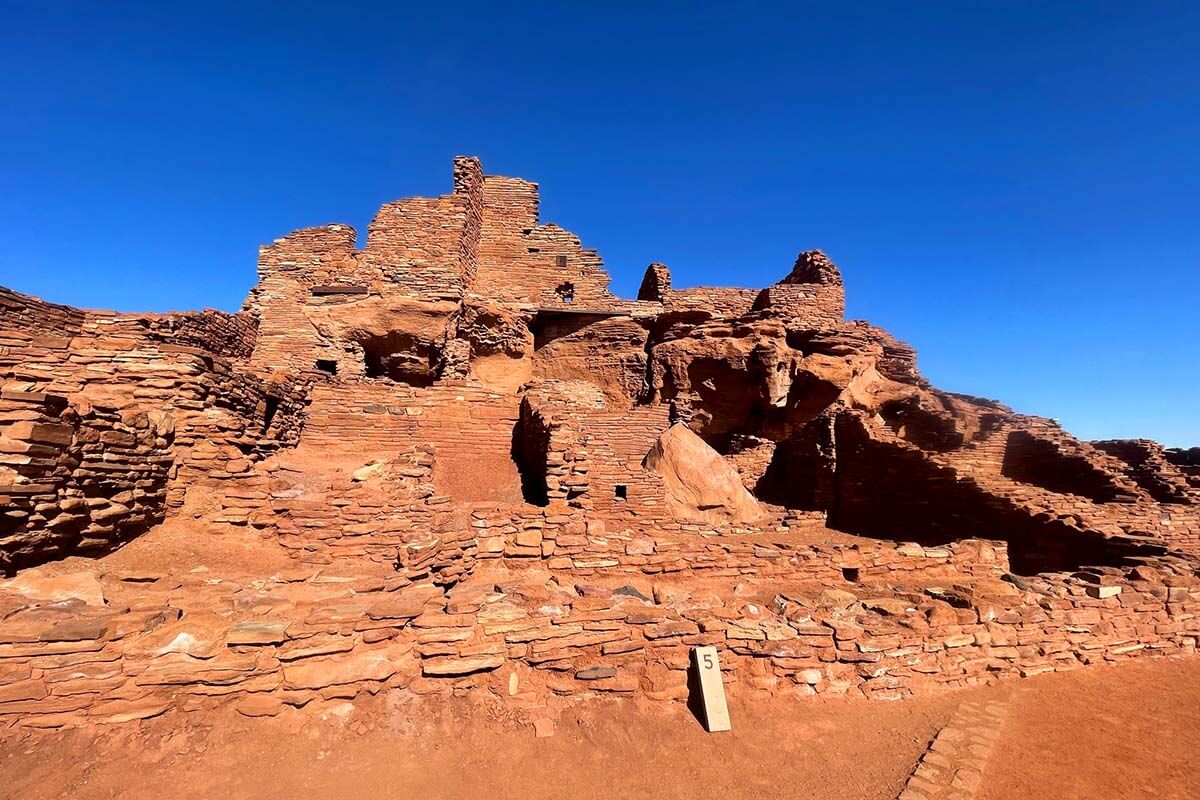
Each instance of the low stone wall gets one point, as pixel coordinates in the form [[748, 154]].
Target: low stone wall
[[134, 645], [369, 514], [30, 321]]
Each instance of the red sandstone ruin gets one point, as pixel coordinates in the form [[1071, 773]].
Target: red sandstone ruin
[[493, 475]]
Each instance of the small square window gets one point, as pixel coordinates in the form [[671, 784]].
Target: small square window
[[621, 491], [560, 261], [327, 365]]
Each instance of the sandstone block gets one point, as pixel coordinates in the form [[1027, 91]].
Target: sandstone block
[[354, 667], [255, 633], [461, 666], [259, 705]]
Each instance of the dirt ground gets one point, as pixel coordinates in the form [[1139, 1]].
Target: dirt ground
[[1128, 731]]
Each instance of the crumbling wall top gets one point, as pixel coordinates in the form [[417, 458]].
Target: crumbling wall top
[[813, 266]]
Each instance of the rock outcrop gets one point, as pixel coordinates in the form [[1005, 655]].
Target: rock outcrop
[[698, 483]]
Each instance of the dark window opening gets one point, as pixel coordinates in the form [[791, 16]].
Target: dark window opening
[[560, 261], [850, 574], [530, 444], [327, 365], [338, 288], [400, 356], [535, 249], [621, 491], [566, 292], [272, 405]]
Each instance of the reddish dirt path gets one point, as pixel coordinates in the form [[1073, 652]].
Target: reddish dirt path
[[1119, 732], [1116, 732]]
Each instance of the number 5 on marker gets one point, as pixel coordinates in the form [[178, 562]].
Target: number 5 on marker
[[712, 691]]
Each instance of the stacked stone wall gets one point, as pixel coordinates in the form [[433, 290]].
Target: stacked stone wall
[[523, 261], [77, 478], [811, 305], [230, 336], [98, 421], [722, 301], [926, 625], [288, 270], [1146, 463], [416, 246], [27, 317]]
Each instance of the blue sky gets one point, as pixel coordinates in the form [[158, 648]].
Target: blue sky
[[1014, 188]]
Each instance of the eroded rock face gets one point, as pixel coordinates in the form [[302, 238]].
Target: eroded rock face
[[398, 339], [699, 484]]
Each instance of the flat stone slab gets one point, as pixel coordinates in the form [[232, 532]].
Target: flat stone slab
[[36, 584], [254, 633], [259, 705], [461, 666]]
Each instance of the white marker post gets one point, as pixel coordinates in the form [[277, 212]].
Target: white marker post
[[712, 691]]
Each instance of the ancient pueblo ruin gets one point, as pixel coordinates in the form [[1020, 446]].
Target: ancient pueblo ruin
[[484, 473]]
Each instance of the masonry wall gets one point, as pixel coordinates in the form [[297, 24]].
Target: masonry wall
[[522, 261], [418, 249], [428, 247], [722, 300], [892, 489], [99, 416], [1146, 463], [1106, 497], [77, 478], [810, 305], [288, 271], [25, 318], [614, 634]]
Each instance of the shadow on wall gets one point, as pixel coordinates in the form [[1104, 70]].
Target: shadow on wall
[[885, 491], [548, 326], [801, 472], [766, 400], [399, 356], [695, 698], [1029, 459], [924, 428]]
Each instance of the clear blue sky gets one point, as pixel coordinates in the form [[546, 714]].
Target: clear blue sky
[[1014, 188]]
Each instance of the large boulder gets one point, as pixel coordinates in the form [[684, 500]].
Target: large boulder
[[700, 484]]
